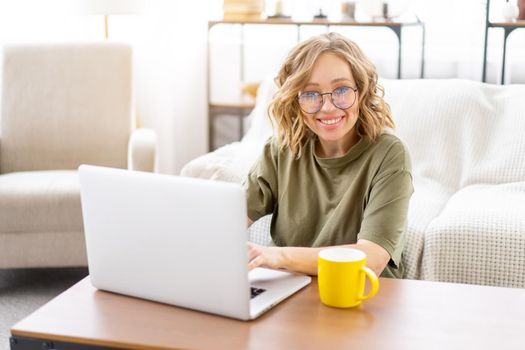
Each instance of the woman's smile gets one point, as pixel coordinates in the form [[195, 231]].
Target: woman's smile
[[330, 122]]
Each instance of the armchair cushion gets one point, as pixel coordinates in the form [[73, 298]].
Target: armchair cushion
[[64, 105], [40, 201]]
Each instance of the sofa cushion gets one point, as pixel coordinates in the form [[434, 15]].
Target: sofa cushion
[[479, 237], [40, 201]]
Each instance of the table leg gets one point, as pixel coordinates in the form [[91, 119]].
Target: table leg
[[23, 343]]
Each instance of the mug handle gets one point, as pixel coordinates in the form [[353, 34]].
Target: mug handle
[[374, 283]]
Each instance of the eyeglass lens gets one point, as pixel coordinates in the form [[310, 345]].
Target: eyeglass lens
[[312, 101]]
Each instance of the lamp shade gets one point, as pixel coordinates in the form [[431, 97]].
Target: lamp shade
[[111, 7]]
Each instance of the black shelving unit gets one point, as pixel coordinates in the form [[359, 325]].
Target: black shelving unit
[[242, 109], [508, 27]]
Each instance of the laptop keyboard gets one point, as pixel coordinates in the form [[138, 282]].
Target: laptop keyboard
[[256, 291]]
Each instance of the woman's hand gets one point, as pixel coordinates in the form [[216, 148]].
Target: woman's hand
[[304, 260], [261, 256]]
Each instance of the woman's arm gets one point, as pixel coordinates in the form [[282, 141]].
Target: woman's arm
[[304, 260]]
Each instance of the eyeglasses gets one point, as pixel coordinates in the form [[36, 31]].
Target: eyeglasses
[[343, 97]]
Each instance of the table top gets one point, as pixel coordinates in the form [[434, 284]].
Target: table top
[[405, 314]]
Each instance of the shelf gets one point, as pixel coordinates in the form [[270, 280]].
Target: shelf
[[236, 109], [284, 21], [232, 105], [513, 24], [243, 108], [508, 27]]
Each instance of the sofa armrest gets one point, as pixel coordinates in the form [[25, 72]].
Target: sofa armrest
[[142, 150]]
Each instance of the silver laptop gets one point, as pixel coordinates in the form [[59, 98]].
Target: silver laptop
[[175, 240]]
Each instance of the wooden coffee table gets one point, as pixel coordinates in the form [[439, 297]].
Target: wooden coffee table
[[405, 314]]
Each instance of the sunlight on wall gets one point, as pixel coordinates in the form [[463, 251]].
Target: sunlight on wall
[[169, 42], [171, 82]]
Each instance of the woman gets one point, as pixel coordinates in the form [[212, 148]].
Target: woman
[[334, 175]]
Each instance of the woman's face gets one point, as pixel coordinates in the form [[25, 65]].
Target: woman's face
[[333, 122]]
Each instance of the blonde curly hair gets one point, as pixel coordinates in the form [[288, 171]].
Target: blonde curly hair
[[374, 112]]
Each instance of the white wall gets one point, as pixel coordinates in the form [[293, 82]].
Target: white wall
[[454, 47], [170, 54], [171, 79], [169, 42]]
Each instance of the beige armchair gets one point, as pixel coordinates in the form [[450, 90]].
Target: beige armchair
[[62, 105]]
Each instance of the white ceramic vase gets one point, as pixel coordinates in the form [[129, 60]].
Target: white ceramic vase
[[510, 11]]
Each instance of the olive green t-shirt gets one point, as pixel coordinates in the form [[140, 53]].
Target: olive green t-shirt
[[319, 202]]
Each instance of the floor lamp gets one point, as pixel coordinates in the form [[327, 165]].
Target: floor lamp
[[107, 8], [113, 7]]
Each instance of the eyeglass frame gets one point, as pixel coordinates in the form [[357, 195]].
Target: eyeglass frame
[[355, 90]]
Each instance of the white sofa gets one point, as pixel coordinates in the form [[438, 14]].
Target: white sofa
[[466, 220]]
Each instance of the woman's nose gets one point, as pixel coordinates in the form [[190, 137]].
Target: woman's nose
[[328, 104]]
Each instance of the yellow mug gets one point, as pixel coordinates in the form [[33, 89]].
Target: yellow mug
[[341, 277]]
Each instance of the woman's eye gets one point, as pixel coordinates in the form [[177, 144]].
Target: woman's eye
[[310, 94], [342, 90]]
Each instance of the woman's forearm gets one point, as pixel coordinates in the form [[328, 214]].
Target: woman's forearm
[[299, 259], [304, 260]]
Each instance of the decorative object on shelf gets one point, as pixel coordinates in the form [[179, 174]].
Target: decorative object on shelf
[[243, 9], [250, 89], [386, 15], [320, 15], [320, 9], [509, 11], [521, 6], [280, 10], [348, 10], [381, 9]]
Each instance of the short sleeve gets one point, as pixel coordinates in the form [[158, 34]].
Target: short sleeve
[[385, 215], [261, 183]]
